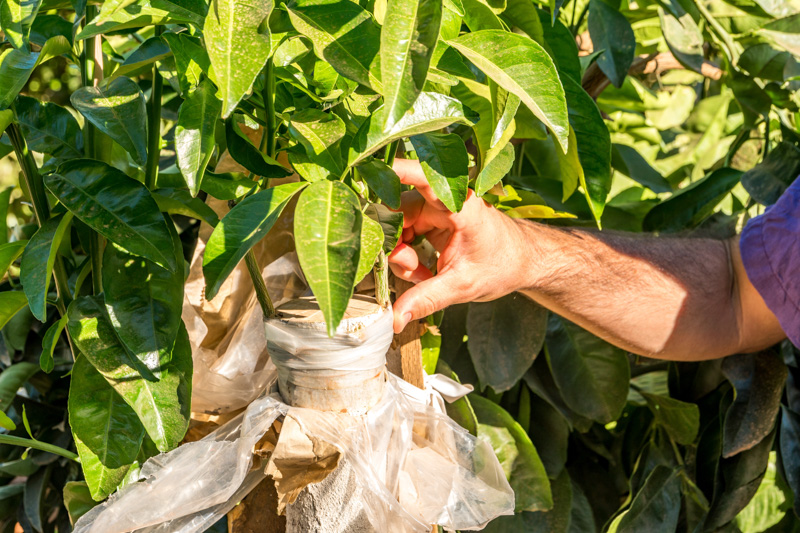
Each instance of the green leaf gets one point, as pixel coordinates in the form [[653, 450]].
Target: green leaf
[[767, 507], [556, 520], [758, 380], [523, 68], [785, 32], [106, 430], [11, 302], [680, 419], [238, 42], [6, 423], [143, 301], [382, 180], [344, 35], [432, 111], [6, 118], [320, 134], [49, 129], [16, 18], [611, 31], [33, 497], [767, 181], [513, 326], [789, 450], [409, 35], [5, 198], [118, 110], [391, 224], [683, 37], [77, 500], [14, 376], [478, 15], [516, 454], [116, 206], [522, 14], [371, 244], [49, 344], [495, 170], [180, 202], [16, 66], [327, 232], [765, 62], [36, 265], [194, 133], [628, 161], [594, 146], [692, 204], [152, 50], [562, 46], [145, 13], [752, 99], [191, 59], [591, 374], [238, 231], [656, 507], [159, 390], [226, 186], [555, 7], [243, 152], [445, 162], [9, 252]]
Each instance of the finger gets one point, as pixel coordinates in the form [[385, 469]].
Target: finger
[[408, 234], [410, 173], [404, 257], [421, 273], [426, 298]]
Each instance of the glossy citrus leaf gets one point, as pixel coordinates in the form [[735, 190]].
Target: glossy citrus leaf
[[680, 419], [16, 66], [49, 128], [445, 162], [246, 154], [495, 170], [180, 202], [655, 507], [522, 67], [513, 326], [106, 430], [77, 499], [16, 19], [191, 59], [11, 303], [194, 133], [237, 39], [684, 38], [516, 454], [49, 341], [36, 265], [143, 301], [409, 35], [320, 135], [238, 231], [391, 224], [382, 180], [158, 390], [118, 110], [371, 244], [769, 179], [327, 232], [14, 376], [9, 252]]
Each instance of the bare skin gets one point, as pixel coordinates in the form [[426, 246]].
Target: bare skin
[[680, 299]]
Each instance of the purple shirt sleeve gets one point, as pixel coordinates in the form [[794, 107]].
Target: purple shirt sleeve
[[770, 246]]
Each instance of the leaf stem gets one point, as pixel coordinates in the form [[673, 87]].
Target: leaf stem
[[41, 207], [269, 104], [267, 309], [38, 445], [154, 125], [391, 152], [381, 275]]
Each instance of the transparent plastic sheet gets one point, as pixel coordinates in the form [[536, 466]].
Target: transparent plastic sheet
[[416, 467]]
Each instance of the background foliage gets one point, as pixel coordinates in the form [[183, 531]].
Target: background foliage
[[671, 116]]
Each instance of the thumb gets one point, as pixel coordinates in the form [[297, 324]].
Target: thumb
[[425, 298]]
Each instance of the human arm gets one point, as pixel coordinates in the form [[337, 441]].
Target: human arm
[[671, 298]]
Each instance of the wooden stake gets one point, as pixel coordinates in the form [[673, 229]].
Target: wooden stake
[[407, 361]]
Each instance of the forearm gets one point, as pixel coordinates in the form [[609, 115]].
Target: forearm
[[670, 298]]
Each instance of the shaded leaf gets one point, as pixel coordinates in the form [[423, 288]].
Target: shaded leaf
[[77, 500], [16, 19], [9, 252], [628, 161], [237, 39], [191, 59], [692, 204], [49, 129], [656, 507], [611, 31], [767, 181], [194, 134], [49, 344], [247, 155], [106, 430], [496, 170], [180, 202], [504, 337], [327, 232], [516, 454], [382, 180], [683, 37], [36, 265], [790, 452], [445, 162], [391, 223], [556, 520], [238, 231], [33, 496], [114, 205], [152, 50], [371, 244], [591, 374], [320, 134], [16, 66], [681, 420], [118, 110], [14, 377], [11, 302]]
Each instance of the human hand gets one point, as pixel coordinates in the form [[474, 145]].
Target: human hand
[[479, 250]]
